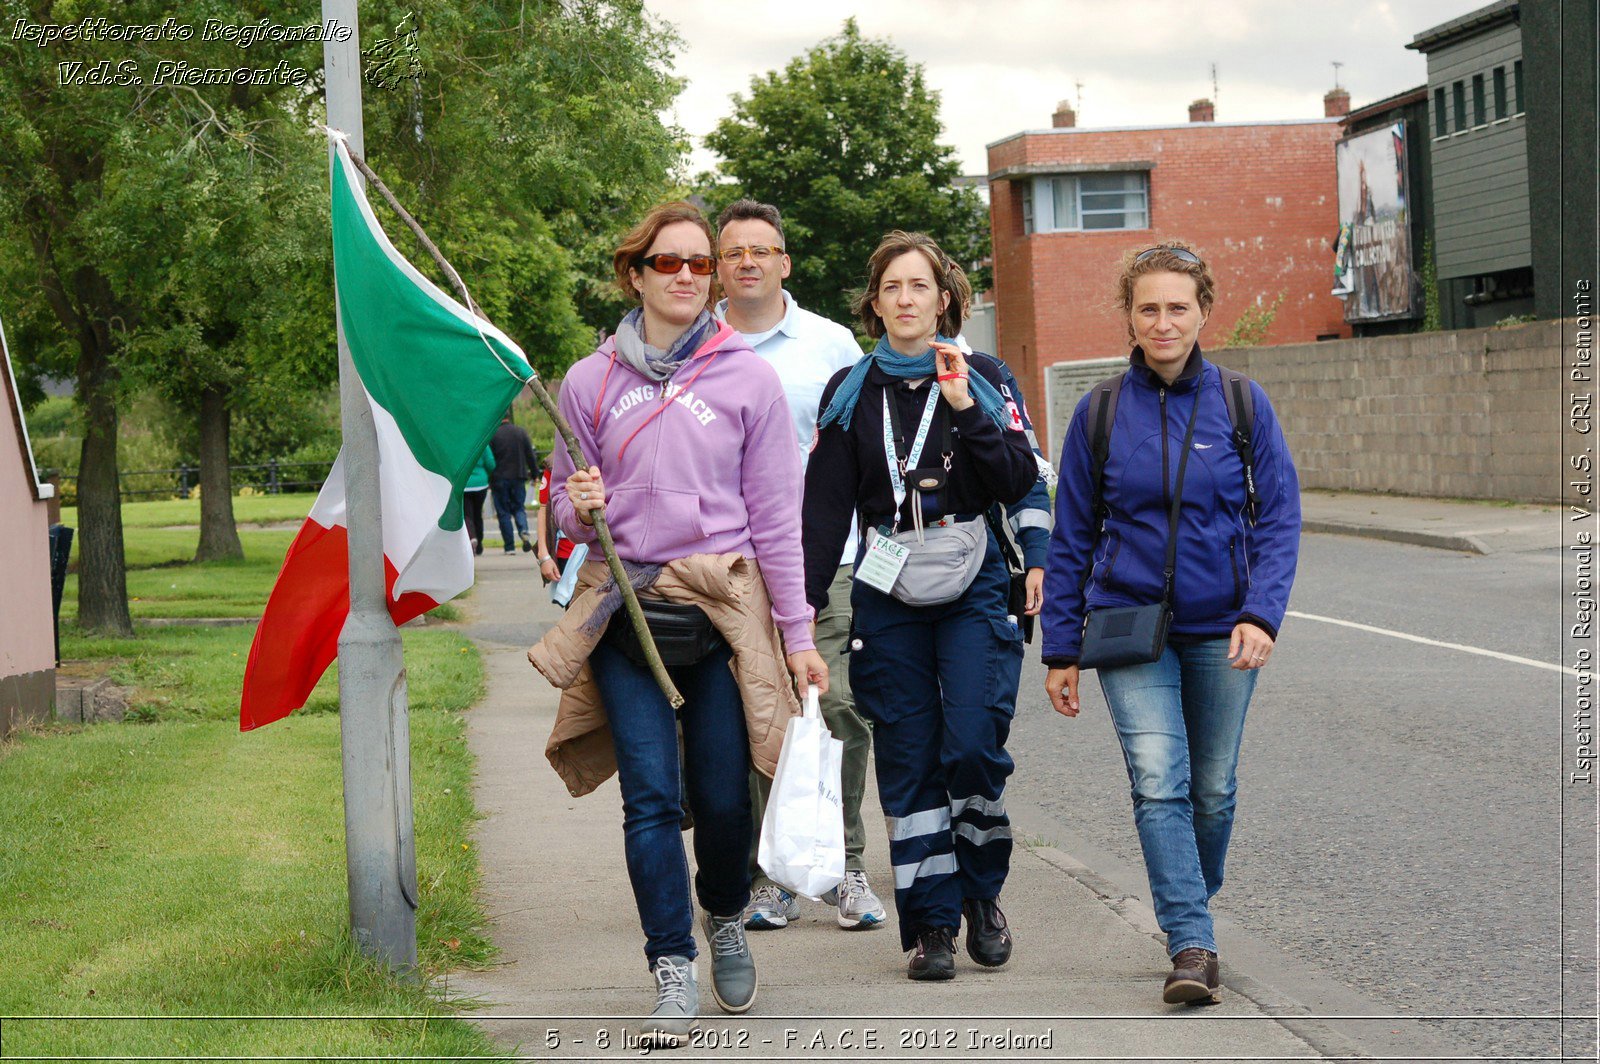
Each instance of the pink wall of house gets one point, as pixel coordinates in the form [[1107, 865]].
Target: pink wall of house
[[27, 642]]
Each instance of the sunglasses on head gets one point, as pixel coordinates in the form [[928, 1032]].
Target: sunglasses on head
[[662, 262], [1180, 253]]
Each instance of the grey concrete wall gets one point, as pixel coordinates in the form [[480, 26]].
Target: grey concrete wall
[[1473, 414]]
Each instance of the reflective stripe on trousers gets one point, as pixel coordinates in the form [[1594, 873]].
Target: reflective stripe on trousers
[[940, 685]]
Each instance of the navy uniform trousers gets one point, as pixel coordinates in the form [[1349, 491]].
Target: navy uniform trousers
[[940, 685]]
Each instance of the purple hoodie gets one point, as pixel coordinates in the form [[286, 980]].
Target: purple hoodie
[[705, 463]]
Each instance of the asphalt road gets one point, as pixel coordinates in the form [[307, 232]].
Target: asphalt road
[[1399, 824]]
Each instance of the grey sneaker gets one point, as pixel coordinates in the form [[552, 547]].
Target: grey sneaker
[[677, 1004], [733, 969], [859, 907], [770, 908]]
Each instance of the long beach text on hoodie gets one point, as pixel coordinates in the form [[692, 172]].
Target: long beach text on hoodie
[[703, 463]]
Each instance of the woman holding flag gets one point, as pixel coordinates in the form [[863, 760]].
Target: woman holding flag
[[693, 460]]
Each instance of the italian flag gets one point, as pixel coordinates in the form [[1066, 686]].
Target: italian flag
[[438, 378]]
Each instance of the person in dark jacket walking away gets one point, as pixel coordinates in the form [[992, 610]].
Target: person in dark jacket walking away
[[1180, 718], [515, 463], [916, 438]]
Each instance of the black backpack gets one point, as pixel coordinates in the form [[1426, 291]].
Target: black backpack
[[1241, 403]]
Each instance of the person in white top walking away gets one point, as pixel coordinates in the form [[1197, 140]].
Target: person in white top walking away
[[806, 350]]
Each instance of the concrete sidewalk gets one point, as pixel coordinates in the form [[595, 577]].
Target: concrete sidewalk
[[1474, 527], [1084, 983]]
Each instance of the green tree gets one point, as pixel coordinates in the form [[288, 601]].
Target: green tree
[[529, 141], [174, 235], [1250, 329], [236, 305], [845, 142]]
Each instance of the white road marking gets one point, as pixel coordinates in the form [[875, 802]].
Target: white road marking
[[1436, 643]]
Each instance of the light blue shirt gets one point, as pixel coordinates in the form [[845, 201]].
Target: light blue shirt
[[807, 350]]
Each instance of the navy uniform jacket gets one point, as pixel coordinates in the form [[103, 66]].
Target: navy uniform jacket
[[848, 471]]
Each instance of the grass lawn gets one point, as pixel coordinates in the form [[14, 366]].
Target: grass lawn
[[172, 866], [163, 581]]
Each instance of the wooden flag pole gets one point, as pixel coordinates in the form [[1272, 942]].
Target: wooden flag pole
[[630, 600]]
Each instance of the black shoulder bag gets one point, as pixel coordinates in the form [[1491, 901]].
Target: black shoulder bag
[[1137, 635]]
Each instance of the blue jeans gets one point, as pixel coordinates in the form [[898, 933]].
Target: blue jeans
[[716, 760], [510, 504], [1180, 720]]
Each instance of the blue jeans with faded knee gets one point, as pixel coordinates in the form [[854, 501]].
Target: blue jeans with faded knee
[[715, 778], [1180, 720]]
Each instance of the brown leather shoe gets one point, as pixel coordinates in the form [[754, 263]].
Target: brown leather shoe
[[1194, 979]]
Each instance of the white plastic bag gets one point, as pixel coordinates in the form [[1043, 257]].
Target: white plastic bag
[[802, 833]]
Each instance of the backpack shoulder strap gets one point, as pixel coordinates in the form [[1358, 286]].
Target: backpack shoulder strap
[[1241, 402], [1102, 415]]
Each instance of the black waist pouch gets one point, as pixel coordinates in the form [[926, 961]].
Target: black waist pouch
[[1017, 605], [683, 634], [1124, 635]]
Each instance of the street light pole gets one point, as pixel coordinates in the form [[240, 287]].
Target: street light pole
[[374, 722]]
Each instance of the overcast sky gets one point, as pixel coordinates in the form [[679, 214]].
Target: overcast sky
[[1001, 65]]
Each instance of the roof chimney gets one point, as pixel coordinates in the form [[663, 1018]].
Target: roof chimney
[[1202, 111], [1065, 117], [1336, 104]]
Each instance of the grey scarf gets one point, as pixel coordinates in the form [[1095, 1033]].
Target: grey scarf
[[653, 362]]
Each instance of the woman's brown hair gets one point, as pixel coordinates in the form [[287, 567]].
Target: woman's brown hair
[[947, 277], [1162, 259], [641, 236]]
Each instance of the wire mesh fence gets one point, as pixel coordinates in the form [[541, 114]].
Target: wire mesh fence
[[270, 478]]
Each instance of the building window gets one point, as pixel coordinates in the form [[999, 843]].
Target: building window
[[1480, 113], [1516, 76], [1077, 202], [1027, 207], [1441, 120], [1500, 109], [1459, 92]]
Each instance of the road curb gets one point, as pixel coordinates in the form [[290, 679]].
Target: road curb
[[1416, 537], [1289, 1012]]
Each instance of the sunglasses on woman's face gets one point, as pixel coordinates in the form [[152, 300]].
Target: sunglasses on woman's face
[[1180, 253], [699, 265]]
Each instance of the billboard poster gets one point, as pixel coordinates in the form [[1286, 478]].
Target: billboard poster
[[1372, 258]]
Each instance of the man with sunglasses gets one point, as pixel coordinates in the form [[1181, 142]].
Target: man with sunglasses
[[806, 350]]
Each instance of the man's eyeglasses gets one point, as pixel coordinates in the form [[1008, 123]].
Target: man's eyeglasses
[[1178, 253], [662, 262], [760, 253]]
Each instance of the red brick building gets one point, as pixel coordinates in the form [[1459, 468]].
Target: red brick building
[[1259, 199]]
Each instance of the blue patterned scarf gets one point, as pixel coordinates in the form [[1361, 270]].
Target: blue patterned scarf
[[843, 406]]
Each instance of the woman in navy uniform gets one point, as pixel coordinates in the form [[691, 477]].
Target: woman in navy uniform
[[939, 682]]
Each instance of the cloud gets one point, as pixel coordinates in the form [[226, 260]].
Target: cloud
[[1000, 67]]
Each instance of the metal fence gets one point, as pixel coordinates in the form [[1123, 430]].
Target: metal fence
[[272, 478]]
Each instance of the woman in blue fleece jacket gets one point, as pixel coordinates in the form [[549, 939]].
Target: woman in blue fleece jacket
[[1180, 719]]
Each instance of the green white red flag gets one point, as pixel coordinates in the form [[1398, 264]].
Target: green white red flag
[[438, 378]]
